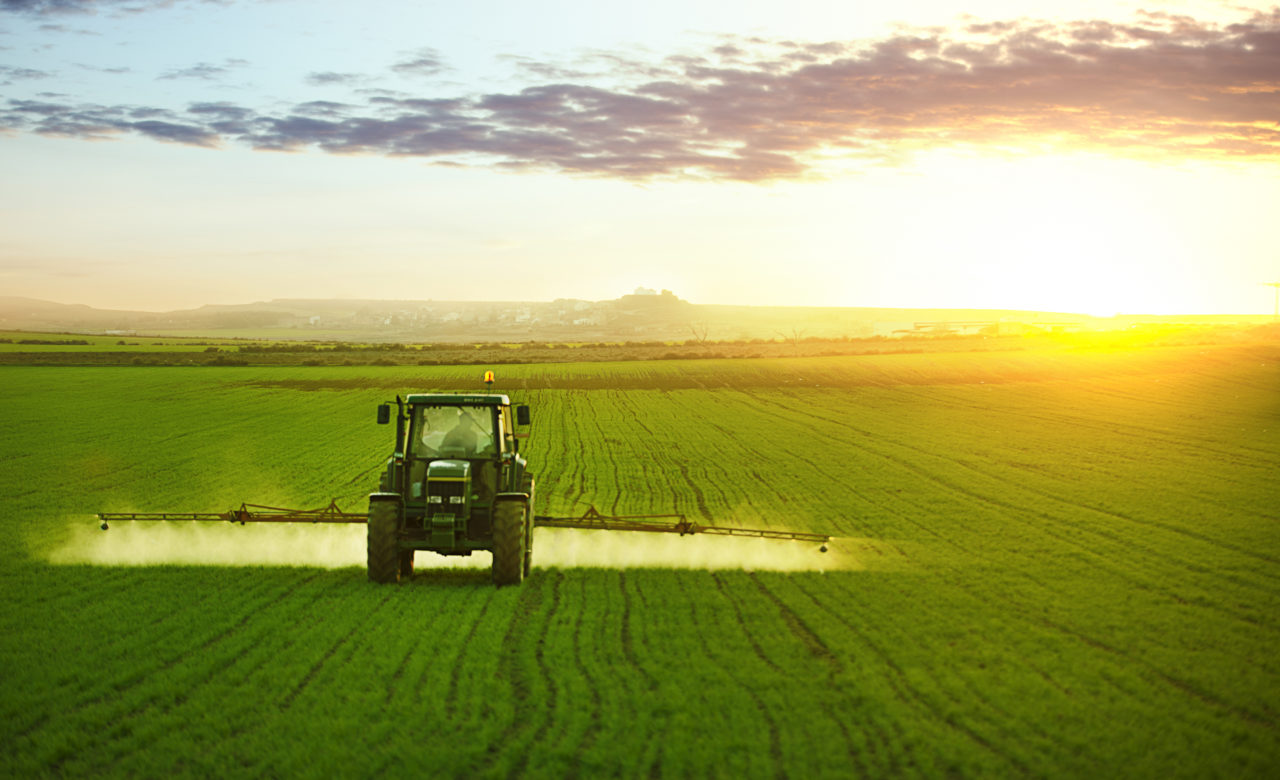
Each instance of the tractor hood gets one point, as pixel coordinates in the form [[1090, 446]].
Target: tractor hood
[[448, 470]]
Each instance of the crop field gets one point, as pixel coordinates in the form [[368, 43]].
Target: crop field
[[1054, 564]]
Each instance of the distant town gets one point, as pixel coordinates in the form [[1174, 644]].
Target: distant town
[[642, 315]]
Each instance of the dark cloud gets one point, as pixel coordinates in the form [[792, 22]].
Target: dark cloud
[[50, 7], [755, 110], [425, 62], [203, 70], [328, 77], [99, 69], [7, 72]]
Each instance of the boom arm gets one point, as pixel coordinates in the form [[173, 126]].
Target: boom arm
[[590, 520], [247, 513]]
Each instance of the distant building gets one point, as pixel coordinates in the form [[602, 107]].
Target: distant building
[[645, 291]]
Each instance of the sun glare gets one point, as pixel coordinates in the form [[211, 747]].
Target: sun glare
[[1069, 233]]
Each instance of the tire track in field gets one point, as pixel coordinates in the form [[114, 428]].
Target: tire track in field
[[743, 623], [1127, 660], [451, 696], [628, 641], [1267, 721], [603, 438], [775, 736], [816, 647], [1004, 479], [1014, 512], [433, 616], [761, 406], [901, 684], [698, 498], [522, 733], [230, 659], [835, 667], [122, 723], [709, 458], [819, 469], [124, 643], [1223, 458], [287, 702], [1060, 531], [142, 677], [973, 692], [580, 462], [589, 736], [1130, 660]]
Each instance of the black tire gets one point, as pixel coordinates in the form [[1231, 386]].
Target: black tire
[[384, 527], [526, 486], [406, 564], [508, 542]]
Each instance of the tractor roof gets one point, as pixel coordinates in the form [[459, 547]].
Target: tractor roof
[[458, 399]]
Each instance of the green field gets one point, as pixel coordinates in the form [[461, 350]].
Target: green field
[[1051, 564]]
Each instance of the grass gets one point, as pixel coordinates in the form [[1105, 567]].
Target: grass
[[1063, 563]]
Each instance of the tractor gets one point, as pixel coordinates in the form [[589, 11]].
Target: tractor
[[455, 483]]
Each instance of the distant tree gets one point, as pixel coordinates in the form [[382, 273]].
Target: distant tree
[[699, 331], [792, 338]]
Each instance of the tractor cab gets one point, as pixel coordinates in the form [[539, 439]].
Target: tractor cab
[[475, 440]]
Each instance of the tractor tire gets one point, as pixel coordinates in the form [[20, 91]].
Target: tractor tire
[[384, 528], [406, 564], [508, 542], [526, 486]]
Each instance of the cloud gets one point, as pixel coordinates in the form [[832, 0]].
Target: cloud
[[95, 122], [326, 78], [100, 69], [203, 70], [51, 7], [7, 72], [756, 110], [425, 62]]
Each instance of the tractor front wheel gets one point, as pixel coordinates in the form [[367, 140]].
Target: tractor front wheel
[[508, 542], [384, 527]]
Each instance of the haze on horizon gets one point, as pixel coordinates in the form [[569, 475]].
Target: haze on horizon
[[1092, 157]]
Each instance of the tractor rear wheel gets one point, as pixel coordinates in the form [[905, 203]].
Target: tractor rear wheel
[[508, 542], [526, 486], [384, 527], [406, 564]]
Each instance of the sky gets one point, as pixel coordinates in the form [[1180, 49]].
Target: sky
[[1090, 157]]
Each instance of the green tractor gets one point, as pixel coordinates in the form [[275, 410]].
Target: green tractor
[[455, 483]]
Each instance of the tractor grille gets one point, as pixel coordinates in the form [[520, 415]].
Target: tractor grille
[[445, 496]]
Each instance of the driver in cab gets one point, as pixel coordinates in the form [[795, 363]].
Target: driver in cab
[[466, 435]]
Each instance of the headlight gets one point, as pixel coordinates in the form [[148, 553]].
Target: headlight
[[435, 500], [455, 499]]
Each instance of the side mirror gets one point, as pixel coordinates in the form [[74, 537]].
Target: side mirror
[[522, 414], [384, 414]]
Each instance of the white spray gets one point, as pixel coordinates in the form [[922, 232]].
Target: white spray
[[337, 546]]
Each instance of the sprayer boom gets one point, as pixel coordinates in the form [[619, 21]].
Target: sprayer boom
[[592, 519], [247, 513]]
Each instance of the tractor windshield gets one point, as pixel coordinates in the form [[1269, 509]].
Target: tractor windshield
[[453, 431]]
